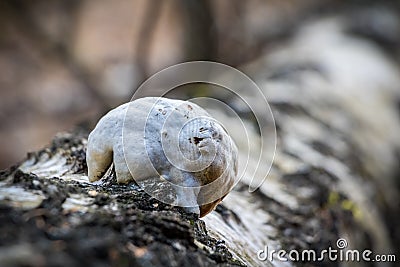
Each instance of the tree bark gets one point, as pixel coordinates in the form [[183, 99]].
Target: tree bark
[[334, 175]]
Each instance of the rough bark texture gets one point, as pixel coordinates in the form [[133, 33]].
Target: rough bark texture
[[335, 99], [324, 184]]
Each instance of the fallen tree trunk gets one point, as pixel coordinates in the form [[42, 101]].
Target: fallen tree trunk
[[334, 176]]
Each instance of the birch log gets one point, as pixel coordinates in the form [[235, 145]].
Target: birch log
[[335, 175]]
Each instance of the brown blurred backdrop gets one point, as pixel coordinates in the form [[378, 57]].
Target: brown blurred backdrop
[[65, 62]]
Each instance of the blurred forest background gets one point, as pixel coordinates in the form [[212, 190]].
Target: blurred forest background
[[64, 62]]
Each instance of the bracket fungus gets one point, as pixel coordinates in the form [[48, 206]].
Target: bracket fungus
[[158, 141]]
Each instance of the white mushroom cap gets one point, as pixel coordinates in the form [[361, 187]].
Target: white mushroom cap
[[157, 140]]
